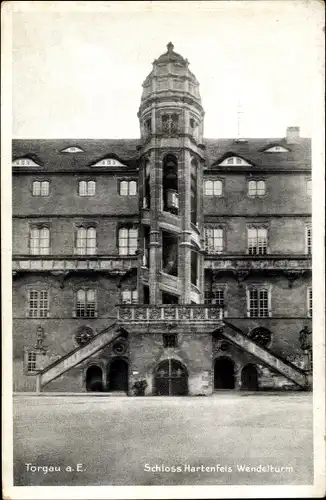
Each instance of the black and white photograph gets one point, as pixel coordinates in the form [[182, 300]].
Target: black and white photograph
[[163, 205]]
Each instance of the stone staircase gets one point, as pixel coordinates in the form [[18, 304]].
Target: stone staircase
[[73, 358], [274, 362]]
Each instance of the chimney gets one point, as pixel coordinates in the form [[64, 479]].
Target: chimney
[[292, 135]]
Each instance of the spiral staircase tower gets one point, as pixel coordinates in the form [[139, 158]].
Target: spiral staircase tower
[[171, 159]]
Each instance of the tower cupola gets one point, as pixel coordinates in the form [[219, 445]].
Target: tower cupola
[[174, 90]]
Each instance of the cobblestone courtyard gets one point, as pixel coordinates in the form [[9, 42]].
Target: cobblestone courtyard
[[124, 441]]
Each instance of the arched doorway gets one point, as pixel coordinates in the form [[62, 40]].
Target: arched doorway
[[94, 380], [223, 373], [249, 378], [118, 375], [171, 379]]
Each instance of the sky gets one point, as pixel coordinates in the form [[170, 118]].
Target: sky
[[78, 68]]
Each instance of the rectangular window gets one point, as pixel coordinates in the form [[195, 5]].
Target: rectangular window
[[213, 188], [85, 304], [33, 361], [257, 241], [129, 297], [169, 340], [214, 240], [128, 188], [39, 241], [38, 303], [309, 299], [215, 297], [86, 241], [40, 188], [258, 303], [256, 188], [86, 188], [308, 240], [128, 241]]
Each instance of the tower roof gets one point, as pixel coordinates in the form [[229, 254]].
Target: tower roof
[[170, 55]]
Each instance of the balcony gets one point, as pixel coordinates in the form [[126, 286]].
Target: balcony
[[166, 313]]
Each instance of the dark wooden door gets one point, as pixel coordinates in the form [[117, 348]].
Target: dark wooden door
[[171, 379]]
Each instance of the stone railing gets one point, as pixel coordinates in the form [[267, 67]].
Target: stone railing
[[256, 262], [145, 313], [37, 263]]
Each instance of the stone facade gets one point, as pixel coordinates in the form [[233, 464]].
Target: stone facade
[[195, 290]]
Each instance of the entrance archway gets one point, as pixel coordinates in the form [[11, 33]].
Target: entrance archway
[[171, 379], [249, 378], [94, 379], [118, 375], [223, 373]]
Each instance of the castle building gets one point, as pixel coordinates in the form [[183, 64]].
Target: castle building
[[170, 263]]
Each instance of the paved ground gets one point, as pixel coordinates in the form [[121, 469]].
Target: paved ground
[[115, 438]]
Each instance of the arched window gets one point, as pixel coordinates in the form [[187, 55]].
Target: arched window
[[40, 241], [87, 188], [41, 188], [256, 188], [128, 188], [213, 188], [86, 241]]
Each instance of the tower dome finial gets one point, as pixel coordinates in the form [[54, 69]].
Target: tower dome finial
[[170, 47]]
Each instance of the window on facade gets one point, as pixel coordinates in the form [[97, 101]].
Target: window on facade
[[257, 241], [86, 241], [215, 297], [308, 187], [128, 188], [276, 149], [85, 303], [38, 303], [256, 188], [24, 162], [129, 297], [148, 126], [170, 123], [213, 188], [308, 240], [86, 188], [128, 241], [72, 149], [258, 303], [40, 188], [169, 340], [39, 241], [214, 240], [33, 361], [309, 299]]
